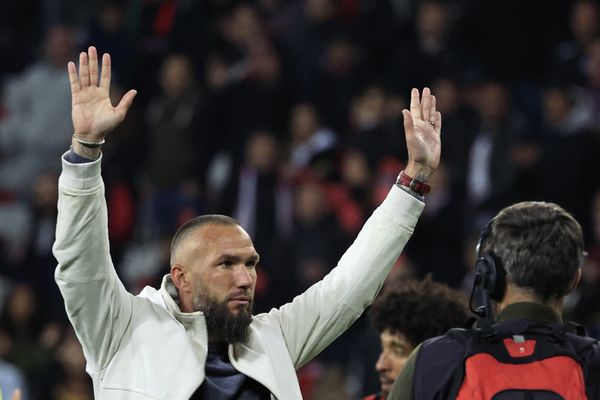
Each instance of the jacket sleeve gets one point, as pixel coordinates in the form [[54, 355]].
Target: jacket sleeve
[[96, 301], [318, 316]]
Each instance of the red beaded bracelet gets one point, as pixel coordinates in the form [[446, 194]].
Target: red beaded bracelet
[[416, 186]]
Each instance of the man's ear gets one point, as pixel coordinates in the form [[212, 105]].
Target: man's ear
[[575, 281], [179, 277]]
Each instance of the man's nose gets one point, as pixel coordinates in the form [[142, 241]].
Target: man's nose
[[242, 277], [381, 364]]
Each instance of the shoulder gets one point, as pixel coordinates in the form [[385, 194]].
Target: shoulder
[[453, 338], [152, 294], [437, 362], [587, 348]]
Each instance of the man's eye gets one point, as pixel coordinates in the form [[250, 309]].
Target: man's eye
[[226, 263], [399, 351], [251, 264]]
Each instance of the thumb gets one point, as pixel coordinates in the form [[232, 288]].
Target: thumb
[[126, 102]]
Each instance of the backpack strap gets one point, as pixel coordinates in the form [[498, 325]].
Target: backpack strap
[[592, 382], [571, 326], [438, 363], [481, 326]]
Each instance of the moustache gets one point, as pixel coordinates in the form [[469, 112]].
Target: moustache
[[241, 296]]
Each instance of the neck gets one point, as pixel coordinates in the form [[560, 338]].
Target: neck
[[516, 294], [186, 304]]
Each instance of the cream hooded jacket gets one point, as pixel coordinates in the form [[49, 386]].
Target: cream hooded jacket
[[143, 347]]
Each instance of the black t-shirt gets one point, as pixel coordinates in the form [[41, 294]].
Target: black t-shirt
[[223, 382]]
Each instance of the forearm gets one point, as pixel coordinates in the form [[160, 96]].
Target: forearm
[[81, 232], [329, 307], [95, 300]]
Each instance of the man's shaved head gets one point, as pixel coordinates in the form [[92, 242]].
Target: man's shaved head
[[213, 266], [192, 225]]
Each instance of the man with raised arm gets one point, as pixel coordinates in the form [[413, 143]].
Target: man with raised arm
[[195, 337]]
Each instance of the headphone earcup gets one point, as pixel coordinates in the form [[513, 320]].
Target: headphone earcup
[[493, 275]]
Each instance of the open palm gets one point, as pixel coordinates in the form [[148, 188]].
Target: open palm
[[422, 127], [92, 112]]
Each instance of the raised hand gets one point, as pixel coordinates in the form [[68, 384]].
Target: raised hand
[[422, 127], [92, 112]]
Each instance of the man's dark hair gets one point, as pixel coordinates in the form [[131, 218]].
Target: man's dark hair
[[419, 309], [540, 245], [195, 223]]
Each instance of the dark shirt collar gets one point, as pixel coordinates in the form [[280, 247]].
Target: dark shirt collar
[[530, 311]]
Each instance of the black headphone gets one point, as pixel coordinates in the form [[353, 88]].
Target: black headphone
[[490, 279]]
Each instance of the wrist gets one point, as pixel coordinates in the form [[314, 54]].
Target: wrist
[[413, 184], [418, 172], [91, 152]]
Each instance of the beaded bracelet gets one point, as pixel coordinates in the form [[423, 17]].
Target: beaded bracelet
[[91, 145]]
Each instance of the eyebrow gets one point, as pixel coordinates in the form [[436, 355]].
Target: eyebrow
[[234, 257], [398, 344]]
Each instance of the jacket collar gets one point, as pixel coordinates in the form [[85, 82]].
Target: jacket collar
[[530, 311], [170, 296]]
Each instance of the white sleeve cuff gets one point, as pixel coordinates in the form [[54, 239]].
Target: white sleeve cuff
[[80, 176]]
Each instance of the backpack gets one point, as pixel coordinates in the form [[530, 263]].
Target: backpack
[[516, 360]]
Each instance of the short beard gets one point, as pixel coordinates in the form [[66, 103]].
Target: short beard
[[221, 324]]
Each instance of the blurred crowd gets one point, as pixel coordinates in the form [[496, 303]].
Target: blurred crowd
[[287, 115]]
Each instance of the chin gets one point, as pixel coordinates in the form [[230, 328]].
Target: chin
[[385, 390], [237, 310]]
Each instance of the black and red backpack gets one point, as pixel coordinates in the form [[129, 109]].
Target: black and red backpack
[[514, 360]]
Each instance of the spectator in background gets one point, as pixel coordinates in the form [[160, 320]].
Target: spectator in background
[[316, 239], [170, 117], [312, 145], [259, 192], [246, 73], [36, 102], [33, 101], [352, 198], [38, 260], [569, 56], [432, 50], [438, 245], [564, 111], [23, 25], [71, 381], [12, 382], [259, 196], [573, 141], [340, 76], [27, 341], [373, 129], [175, 162], [405, 314], [592, 74], [582, 304], [313, 24], [492, 171], [461, 126], [110, 32]]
